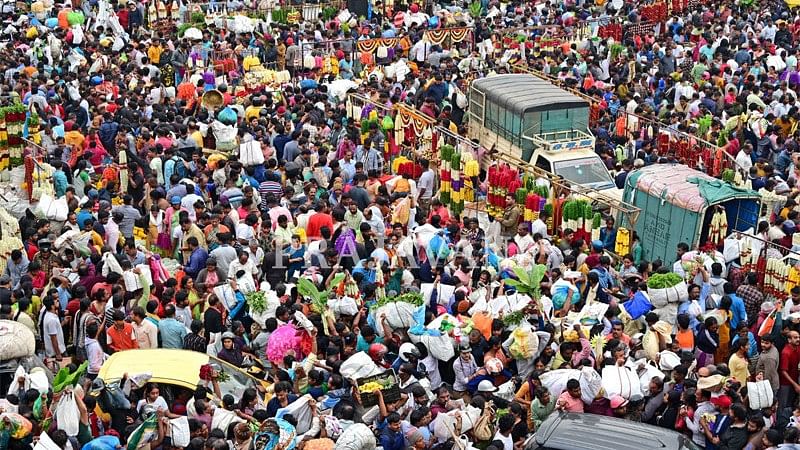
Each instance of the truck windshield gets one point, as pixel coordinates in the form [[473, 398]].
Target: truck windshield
[[588, 172]]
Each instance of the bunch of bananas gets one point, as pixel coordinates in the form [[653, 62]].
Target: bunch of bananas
[[372, 386]]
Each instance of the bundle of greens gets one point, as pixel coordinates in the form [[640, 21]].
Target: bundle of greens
[[663, 280], [257, 301], [64, 379], [414, 298], [319, 300], [513, 319]]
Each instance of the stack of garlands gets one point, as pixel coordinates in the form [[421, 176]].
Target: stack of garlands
[[503, 180], [15, 122]]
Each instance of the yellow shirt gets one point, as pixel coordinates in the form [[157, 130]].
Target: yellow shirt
[[198, 138], [154, 54], [738, 366]]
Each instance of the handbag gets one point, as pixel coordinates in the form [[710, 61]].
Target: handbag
[[483, 426]]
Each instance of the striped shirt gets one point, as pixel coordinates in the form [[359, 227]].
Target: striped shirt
[[265, 189]]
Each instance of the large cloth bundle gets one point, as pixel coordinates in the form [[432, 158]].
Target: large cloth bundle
[[16, 340], [662, 297], [556, 380], [621, 381], [440, 347], [250, 153], [358, 366], [445, 424], [398, 315]]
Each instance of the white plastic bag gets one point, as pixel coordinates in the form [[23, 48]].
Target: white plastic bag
[[67, 414], [39, 380], [300, 410], [591, 383], [179, 430], [250, 153], [759, 394], [14, 388], [46, 443], [223, 418]]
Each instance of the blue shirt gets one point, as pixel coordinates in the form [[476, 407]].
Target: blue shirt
[[739, 315], [197, 261], [392, 440], [172, 333], [82, 216]]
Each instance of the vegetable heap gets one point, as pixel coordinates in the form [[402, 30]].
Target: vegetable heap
[[663, 281]]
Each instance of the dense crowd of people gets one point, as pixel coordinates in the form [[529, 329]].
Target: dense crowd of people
[[190, 192]]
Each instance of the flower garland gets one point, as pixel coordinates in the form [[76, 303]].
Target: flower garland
[[502, 180], [15, 117], [455, 35], [371, 45]]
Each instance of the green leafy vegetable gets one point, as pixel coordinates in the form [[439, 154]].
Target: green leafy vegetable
[[63, 378], [257, 301], [414, 298], [663, 280]]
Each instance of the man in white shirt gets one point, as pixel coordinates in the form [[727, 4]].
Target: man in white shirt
[[53, 338], [540, 226], [523, 239], [425, 187], [146, 331], [743, 158]]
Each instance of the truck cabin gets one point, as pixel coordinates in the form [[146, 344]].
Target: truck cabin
[[531, 119]]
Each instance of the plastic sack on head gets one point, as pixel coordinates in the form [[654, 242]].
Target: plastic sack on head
[[301, 411], [275, 434], [19, 427], [102, 443], [358, 366]]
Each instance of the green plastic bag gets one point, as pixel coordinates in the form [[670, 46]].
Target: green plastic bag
[[388, 123], [76, 18]]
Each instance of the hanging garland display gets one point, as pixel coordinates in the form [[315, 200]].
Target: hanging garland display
[[372, 45], [33, 129], [455, 35], [654, 13]]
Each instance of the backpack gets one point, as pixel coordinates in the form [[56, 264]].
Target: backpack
[[180, 168]]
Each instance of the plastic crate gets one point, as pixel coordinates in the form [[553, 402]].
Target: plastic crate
[[390, 394]]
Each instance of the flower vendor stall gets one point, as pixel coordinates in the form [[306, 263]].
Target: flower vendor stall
[[405, 128]]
